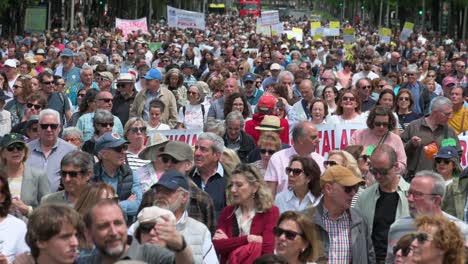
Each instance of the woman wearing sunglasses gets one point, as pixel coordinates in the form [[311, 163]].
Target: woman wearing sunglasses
[[297, 239], [447, 164], [16, 106], [103, 122], [437, 241], [402, 250], [348, 109], [246, 224], [27, 184], [404, 108], [135, 134], [268, 144], [303, 185], [35, 102]]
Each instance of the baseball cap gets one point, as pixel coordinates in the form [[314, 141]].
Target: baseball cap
[[275, 66], [284, 46], [187, 64], [153, 214], [11, 138], [10, 63], [153, 74], [172, 180], [341, 175], [248, 77], [126, 77], [267, 102], [106, 75], [449, 80], [66, 53], [448, 152], [178, 150], [109, 140]]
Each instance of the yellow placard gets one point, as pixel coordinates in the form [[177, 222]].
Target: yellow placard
[[408, 25], [297, 30], [385, 32], [334, 24], [315, 25]]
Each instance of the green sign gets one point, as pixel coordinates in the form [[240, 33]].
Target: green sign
[[36, 19]]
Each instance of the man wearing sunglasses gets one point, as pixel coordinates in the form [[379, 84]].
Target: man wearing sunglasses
[[421, 95], [113, 170], [344, 231], [123, 100], [385, 201], [366, 71], [55, 100]]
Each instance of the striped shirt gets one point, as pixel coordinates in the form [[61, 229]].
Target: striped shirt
[[339, 234], [135, 162]]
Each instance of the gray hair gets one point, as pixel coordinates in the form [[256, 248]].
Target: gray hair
[[201, 92], [103, 115], [49, 111], [440, 101], [218, 142], [216, 126], [298, 132], [78, 158], [439, 183], [72, 131], [234, 116], [283, 74]]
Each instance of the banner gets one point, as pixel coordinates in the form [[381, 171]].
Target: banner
[[185, 19], [127, 26], [406, 31], [385, 34], [270, 18], [349, 35], [185, 135]]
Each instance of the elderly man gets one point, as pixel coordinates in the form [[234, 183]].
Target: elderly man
[[424, 198], [421, 95], [275, 69], [125, 97], [235, 137], [104, 80], [385, 201], [108, 229], [47, 151], [217, 107], [113, 170], [76, 169], [424, 136], [306, 87], [305, 137], [364, 89], [250, 90], [326, 79], [55, 100], [152, 90], [86, 82], [209, 173], [344, 231], [173, 193], [459, 120], [393, 65]]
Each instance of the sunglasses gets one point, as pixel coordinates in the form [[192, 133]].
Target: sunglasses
[[120, 148], [46, 126], [48, 83], [295, 171], [269, 151], [403, 98], [72, 174], [17, 86], [329, 163], [440, 160], [146, 227], [404, 251], [350, 189], [350, 99], [422, 237], [381, 171], [138, 129], [167, 158], [290, 235], [120, 85], [106, 100], [366, 87], [37, 107], [17, 146], [380, 124], [81, 95], [110, 124]]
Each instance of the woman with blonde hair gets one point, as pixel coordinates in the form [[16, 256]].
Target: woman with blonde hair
[[246, 224], [135, 133], [230, 159]]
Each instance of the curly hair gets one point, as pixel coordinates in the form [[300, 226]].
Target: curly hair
[[228, 104], [357, 98], [179, 74], [380, 110], [263, 198], [411, 100], [448, 238], [6, 204]]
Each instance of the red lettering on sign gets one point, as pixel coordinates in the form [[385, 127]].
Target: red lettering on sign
[[463, 157]]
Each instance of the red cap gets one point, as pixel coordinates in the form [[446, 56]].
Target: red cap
[[449, 80], [267, 102]]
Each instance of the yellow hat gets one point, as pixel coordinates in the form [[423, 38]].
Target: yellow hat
[[341, 175]]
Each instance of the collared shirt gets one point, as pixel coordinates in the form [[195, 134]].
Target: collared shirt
[[340, 237], [201, 207], [253, 99], [233, 144], [215, 187], [416, 92], [244, 226], [50, 164], [288, 201]]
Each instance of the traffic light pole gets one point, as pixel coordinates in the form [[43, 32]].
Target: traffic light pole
[[423, 18]]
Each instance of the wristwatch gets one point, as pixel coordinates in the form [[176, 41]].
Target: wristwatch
[[184, 245]]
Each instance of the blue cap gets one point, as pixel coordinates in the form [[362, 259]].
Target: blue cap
[[172, 180], [248, 77], [109, 140], [66, 53], [153, 74], [448, 152]]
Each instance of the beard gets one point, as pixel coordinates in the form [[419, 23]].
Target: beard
[[113, 252], [171, 207]]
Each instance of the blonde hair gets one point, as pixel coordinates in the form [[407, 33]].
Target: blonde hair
[[230, 159], [349, 161]]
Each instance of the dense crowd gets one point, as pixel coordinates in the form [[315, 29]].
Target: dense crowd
[[88, 174]]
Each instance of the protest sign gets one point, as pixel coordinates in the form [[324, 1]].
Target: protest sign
[[294, 33], [333, 29], [127, 26], [407, 30], [348, 35], [277, 29], [313, 27], [385, 34], [270, 17], [185, 19], [185, 135]]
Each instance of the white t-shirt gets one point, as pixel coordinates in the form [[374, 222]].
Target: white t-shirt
[[193, 118], [12, 233]]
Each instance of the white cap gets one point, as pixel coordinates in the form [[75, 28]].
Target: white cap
[[10, 63], [153, 214], [275, 66]]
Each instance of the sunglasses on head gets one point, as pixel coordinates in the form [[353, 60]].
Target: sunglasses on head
[[290, 235], [329, 163], [440, 160], [269, 151], [18, 146], [71, 174], [294, 171], [46, 126], [35, 106], [110, 124], [138, 129], [146, 227], [123, 147]]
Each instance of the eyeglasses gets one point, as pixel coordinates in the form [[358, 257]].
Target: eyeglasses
[[106, 100], [130, 53], [430, 75], [17, 86], [120, 148], [191, 93], [46, 126], [146, 227], [60, 84], [120, 85], [72, 174], [381, 171], [18, 146], [380, 124], [404, 251], [48, 83], [350, 99], [269, 151], [295, 171], [367, 62], [324, 79], [447, 114], [110, 124], [417, 195], [138, 129], [440, 160], [329, 163], [167, 158], [403, 98], [37, 107], [241, 69], [290, 235], [81, 95]]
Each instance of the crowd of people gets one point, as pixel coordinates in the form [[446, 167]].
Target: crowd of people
[[88, 174]]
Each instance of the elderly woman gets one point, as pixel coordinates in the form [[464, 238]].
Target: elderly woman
[[303, 185], [318, 111], [297, 239], [73, 135], [17, 106], [348, 109], [150, 173], [268, 144], [379, 124], [447, 164], [135, 133], [28, 184], [249, 219], [103, 122], [173, 81], [438, 240], [193, 115]]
